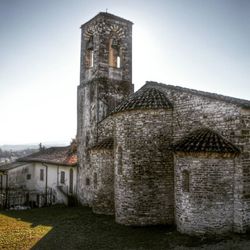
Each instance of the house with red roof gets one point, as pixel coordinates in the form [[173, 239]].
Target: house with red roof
[[44, 178]]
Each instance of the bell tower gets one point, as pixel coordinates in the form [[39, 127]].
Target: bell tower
[[106, 49], [105, 80]]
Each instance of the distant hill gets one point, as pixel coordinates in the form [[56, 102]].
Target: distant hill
[[19, 147]]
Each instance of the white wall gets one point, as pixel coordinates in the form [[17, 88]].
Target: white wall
[[17, 178], [2, 181], [53, 180]]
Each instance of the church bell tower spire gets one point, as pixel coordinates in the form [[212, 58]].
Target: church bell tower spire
[[105, 80]]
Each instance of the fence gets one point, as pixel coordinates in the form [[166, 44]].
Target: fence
[[11, 198]]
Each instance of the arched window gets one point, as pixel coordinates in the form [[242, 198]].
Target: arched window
[[185, 181], [90, 53], [114, 53], [119, 160]]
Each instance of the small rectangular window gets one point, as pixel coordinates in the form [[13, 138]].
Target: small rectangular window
[[87, 181], [185, 181], [62, 179], [119, 170], [95, 180], [28, 176], [41, 174]]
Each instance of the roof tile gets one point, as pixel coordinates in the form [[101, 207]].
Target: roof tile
[[205, 140], [107, 143], [144, 98], [53, 155]]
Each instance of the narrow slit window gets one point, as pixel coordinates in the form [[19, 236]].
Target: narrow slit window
[[41, 174], [62, 180], [87, 181], [90, 53], [91, 58], [185, 181], [114, 53], [119, 167], [95, 180], [118, 62]]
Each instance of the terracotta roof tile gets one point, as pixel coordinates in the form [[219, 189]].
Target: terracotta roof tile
[[205, 140], [144, 98], [107, 143], [53, 155]]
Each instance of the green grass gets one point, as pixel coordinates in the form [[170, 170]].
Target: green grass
[[78, 228]]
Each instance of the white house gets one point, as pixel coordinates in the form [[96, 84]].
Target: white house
[[45, 177]]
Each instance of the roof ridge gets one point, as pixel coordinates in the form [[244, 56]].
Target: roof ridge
[[106, 14], [229, 99], [146, 97], [53, 155]]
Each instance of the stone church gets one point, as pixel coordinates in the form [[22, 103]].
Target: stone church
[[162, 155]]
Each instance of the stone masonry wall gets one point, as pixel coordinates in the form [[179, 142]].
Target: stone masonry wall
[[245, 158], [94, 103], [102, 162], [106, 128], [102, 87], [102, 28], [208, 204], [144, 174], [193, 111], [110, 94], [86, 136]]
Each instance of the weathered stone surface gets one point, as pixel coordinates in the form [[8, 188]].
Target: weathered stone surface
[[126, 163], [102, 163], [99, 92], [101, 29], [227, 116], [144, 167], [245, 161], [205, 140], [208, 205]]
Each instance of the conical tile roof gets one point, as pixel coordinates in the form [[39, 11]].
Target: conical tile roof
[[107, 143], [144, 98], [205, 140]]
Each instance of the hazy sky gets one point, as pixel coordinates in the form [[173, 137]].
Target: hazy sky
[[201, 44]]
